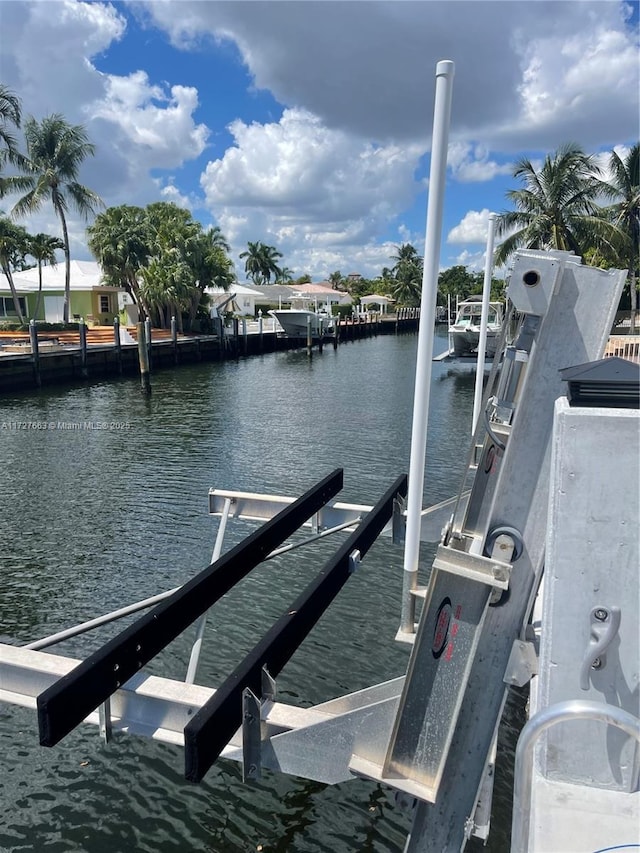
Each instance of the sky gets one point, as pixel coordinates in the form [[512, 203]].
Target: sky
[[307, 124]]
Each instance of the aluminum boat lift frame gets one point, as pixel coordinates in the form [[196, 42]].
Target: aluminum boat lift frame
[[412, 733]]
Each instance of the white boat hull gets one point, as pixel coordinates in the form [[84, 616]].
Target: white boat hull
[[464, 334], [295, 323], [466, 341]]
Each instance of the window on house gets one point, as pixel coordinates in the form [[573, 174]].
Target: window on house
[[8, 308], [105, 304]]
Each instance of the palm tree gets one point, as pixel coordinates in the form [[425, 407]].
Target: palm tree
[[43, 247], [624, 190], [260, 262], [406, 287], [55, 152], [406, 281], [284, 275], [336, 279], [119, 240], [211, 267], [252, 264], [13, 247], [557, 208], [10, 115], [406, 254]]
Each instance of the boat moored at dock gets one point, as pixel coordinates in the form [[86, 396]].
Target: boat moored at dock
[[464, 332], [298, 322]]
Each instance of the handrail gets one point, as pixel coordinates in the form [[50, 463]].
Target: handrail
[[574, 709]]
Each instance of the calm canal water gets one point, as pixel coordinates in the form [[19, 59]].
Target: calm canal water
[[95, 519]]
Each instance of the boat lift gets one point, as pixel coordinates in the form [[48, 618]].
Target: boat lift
[[464, 617], [467, 644]]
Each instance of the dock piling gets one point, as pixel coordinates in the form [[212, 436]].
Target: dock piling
[[143, 358], [147, 329], [116, 342], [83, 349], [35, 352], [174, 339]]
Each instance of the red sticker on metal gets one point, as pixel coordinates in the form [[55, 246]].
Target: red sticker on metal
[[441, 629], [490, 459]]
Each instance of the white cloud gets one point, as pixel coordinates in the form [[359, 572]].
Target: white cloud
[[472, 229], [172, 194], [525, 72], [319, 195], [579, 85], [48, 55], [159, 126], [471, 163], [46, 49], [474, 261]]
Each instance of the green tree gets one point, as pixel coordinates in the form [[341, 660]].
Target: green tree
[[406, 275], [406, 254], [55, 152], [119, 239], [14, 241], [624, 190], [260, 264], [336, 279], [10, 118], [210, 265], [168, 278], [557, 208], [458, 282], [284, 275], [163, 258], [42, 247]]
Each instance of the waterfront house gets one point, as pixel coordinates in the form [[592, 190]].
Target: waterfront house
[[90, 299], [321, 294], [239, 298]]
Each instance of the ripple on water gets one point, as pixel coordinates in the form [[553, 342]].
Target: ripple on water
[[93, 520]]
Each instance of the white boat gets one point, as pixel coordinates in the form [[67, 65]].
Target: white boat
[[464, 334], [295, 322]]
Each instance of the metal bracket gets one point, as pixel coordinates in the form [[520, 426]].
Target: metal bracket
[[254, 728], [605, 622], [483, 569], [522, 664], [354, 561], [268, 686], [251, 737], [399, 521], [104, 717]]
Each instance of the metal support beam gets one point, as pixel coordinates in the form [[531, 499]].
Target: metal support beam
[[66, 703], [208, 732]]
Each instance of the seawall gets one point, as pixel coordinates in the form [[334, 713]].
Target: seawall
[[61, 358]]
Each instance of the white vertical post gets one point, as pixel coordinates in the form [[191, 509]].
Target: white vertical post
[[433, 236], [482, 343]]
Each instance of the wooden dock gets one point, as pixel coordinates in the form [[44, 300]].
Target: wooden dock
[[61, 357]]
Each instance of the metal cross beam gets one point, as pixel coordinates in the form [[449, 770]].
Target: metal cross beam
[[208, 732], [66, 703]]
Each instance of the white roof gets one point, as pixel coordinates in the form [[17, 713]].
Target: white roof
[[374, 298], [85, 275], [239, 289]]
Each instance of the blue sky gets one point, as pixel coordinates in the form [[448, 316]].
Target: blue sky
[[307, 124]]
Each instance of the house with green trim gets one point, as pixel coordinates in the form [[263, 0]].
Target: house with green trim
[[90, 299]]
